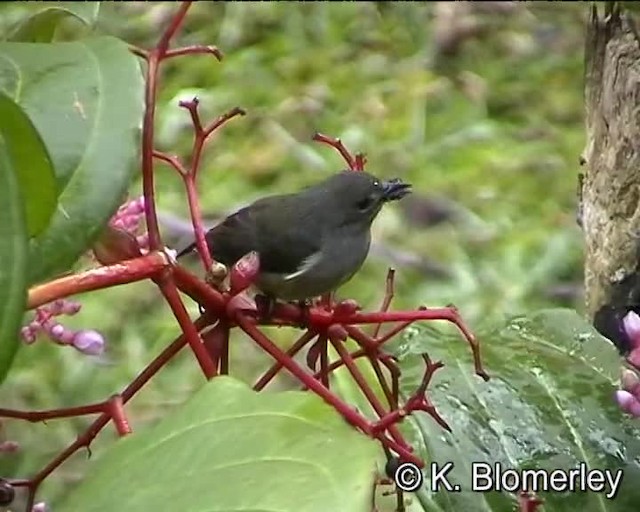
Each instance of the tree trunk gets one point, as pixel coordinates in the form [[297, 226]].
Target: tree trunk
[[610, 187]]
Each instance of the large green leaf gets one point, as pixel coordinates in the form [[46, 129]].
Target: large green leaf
[[549, 405], [86, 100], [31, 164], [229, 449], [41, 26], [13, 261]]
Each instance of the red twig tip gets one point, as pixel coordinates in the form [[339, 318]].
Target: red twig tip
[[355, 163]]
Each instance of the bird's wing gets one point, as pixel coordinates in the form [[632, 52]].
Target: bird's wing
[[274, 227]]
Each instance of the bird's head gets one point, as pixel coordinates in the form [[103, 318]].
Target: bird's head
[[359, 196]]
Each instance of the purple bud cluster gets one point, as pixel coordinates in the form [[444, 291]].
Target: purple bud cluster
[[628, 398], [86, 341]]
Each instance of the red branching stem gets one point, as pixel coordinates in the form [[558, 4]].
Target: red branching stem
[[303, 340], [196, 219], [94, 429], [189, 177], [172, 160], [217, 123], [449, 314], [148, 189], [338, 146], [388, 297], [177, 19], [364, 387], [194, 50], [116, 411], [170, 292], [155, 56], [286, 362], [324, 359], [192, 107], [67, 412], [98, 278], [224, 348]]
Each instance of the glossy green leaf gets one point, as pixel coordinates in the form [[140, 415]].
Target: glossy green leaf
[[549, 405], [85, 99], [41, 26], [31, 163], [13, 260], [229, 449]]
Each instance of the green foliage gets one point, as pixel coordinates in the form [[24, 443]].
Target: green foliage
[[41, 26], [13, 250], [229, 448], [85, 100], [548, 406]]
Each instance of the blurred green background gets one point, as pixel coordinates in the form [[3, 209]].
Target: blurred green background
[[479, 105]]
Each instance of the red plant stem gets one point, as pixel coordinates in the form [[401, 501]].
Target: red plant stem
[[67, 412], [153, 62], [170, 292], [338, 146], [148, 189], [448, 314], [224, 349], [268, 346], [116, 411], [172, 160], [303, 340], [193, 50], [375, 356], [324, 359], [388, 297], [365, 387], [94, 429], [176, 20], [392, 332], [98, 278], [196, 220]]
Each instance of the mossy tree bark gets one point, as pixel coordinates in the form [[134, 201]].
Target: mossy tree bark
[[610, 186]]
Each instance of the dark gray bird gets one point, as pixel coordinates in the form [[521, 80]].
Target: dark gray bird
[[310, 242]]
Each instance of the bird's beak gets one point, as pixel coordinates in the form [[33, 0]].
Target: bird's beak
[[395, 189]]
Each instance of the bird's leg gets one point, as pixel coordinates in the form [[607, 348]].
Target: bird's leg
[[266, 305], [305, 307]]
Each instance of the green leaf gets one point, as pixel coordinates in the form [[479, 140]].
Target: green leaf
[[85, 99], [13, 261], [41, 26], [31, 163], [549, 405], [229, 449]]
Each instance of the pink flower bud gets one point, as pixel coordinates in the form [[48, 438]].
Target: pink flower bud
[[40, 507], [631, 323], [28, 334], [634, 358], [56, 331], [631, 382], [89, 342], [628, 403], [244, 272]]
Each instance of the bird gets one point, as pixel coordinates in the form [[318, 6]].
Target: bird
[[310, 242]]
